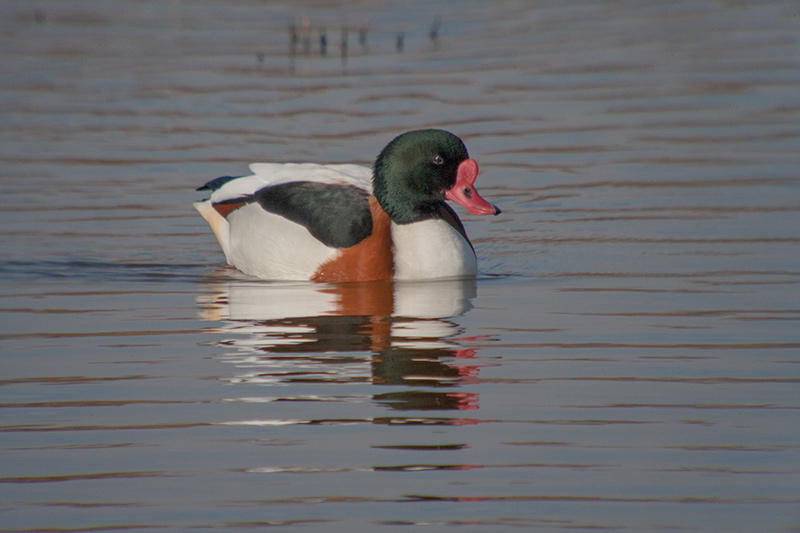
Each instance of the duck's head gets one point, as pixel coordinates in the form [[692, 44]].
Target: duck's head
[[420, 169]]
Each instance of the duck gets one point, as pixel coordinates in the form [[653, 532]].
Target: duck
[[351, 223]]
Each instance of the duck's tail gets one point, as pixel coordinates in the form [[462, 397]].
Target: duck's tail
[[219, 225]]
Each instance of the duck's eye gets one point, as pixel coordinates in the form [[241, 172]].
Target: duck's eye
[[438, 160]]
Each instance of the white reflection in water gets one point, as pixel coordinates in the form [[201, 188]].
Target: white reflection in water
[[383, 333], [265, 301]]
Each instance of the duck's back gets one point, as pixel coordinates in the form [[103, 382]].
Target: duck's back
[[266, 174], [259, 237]]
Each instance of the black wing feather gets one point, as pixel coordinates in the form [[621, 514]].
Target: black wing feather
[[216, 183]]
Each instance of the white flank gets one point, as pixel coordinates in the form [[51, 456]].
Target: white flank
[[270, 246]]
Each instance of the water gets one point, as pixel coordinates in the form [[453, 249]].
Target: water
[[627, 358]]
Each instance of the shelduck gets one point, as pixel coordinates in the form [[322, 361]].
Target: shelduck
[[338, 223]]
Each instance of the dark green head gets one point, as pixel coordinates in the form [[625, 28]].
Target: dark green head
[[414, 171]]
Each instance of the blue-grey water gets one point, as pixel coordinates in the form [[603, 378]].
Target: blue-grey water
[[628, 358]]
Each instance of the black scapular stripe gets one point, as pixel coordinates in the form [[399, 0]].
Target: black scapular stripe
[[337, 215]]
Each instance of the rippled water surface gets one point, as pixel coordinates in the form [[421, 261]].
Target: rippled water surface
[[628, 358]]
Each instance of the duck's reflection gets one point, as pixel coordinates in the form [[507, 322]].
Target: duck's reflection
[[384, 333]]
